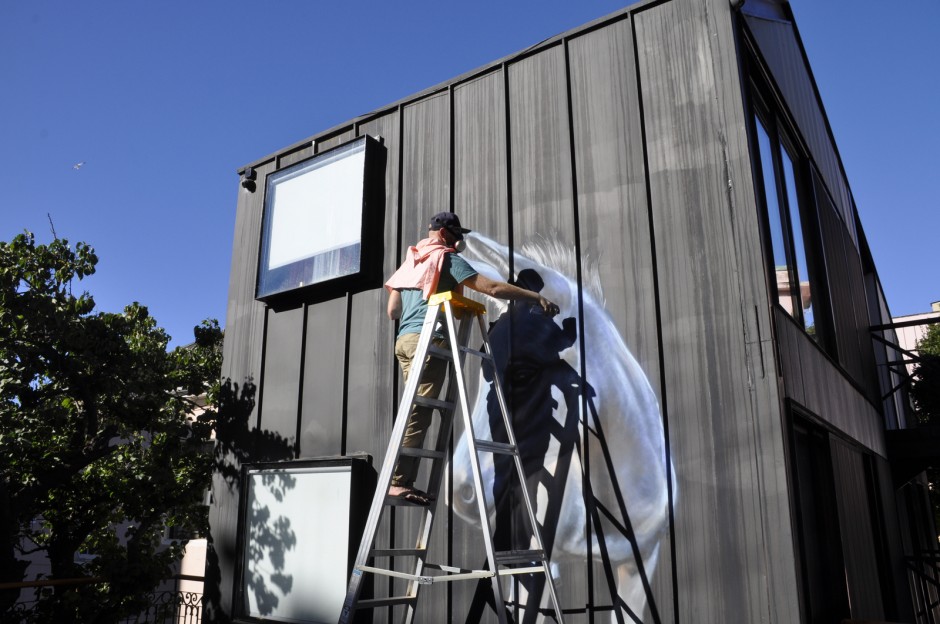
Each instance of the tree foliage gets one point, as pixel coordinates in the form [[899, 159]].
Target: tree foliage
[[925, 388], [95, 434]]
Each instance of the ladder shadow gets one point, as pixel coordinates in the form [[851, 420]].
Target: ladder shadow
[[548, 396]]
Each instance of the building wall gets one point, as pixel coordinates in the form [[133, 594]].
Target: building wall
[[616, 157], [840, 388]]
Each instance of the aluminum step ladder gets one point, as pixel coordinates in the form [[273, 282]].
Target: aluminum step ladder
[[444, 308]]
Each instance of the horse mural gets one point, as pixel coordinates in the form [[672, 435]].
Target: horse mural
[[557, 415]]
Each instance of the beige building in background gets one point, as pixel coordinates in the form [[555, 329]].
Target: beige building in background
[[909, 336]]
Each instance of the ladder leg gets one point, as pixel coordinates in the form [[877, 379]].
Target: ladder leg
[[391, 458], [521, 476], [477, 476]]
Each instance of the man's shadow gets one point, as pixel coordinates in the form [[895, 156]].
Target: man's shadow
[[543, 392]]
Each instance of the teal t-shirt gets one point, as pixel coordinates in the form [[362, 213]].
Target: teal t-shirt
[[454, 270]]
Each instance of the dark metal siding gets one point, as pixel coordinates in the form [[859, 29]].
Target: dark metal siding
[[719, 380]]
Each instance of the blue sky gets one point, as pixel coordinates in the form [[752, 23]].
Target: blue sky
[[164, 101]]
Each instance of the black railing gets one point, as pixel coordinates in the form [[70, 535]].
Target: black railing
[[923, 573], [164, 607]]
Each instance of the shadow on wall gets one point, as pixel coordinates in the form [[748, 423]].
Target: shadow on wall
[[610, 428], [268, 539]]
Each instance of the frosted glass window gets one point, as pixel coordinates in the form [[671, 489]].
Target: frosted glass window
[[296, 546], [312, 230]]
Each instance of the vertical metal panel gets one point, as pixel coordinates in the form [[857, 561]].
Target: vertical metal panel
[[371, 361], [733, 535], [426, 179], [888, 509], [613, 212], [371, 369], [849, 302], [543, 210], [541, 152], [858, 542], [779, 47], [426, 166], [280, 380], [241, 372], [839, 284], [338, 138], [866, 375], [321, 426], [480, 199], [615, 238], [480, 193], [294, 156], [788, 348]]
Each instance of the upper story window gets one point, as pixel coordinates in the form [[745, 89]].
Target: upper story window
[[797, 271]]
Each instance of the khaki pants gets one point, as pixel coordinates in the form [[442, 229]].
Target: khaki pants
[[432, 381]]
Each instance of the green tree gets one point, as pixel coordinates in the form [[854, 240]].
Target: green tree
[[925, 388], [94, 434]]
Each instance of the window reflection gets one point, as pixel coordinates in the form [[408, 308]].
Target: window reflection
[[791, 264], [777, 221], [799, 249]]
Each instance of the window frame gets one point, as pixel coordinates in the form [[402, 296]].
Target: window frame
[[770, 115]]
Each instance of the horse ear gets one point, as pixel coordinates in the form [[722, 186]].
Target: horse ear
[[530, 280]]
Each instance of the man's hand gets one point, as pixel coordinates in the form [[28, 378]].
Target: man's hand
[[548, 308]]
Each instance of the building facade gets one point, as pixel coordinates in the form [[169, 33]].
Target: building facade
[[712, 419]]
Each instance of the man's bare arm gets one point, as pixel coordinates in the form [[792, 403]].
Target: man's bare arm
[[394, 305], [502, 290]]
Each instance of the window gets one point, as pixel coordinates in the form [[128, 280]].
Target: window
[[317, 214], [797, 274]]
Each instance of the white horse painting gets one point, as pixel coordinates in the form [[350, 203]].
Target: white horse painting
[[609, 418]]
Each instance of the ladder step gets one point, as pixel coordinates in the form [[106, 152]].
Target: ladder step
[[375, 603], [474, 352], [445, 406], [397, 501], [397, 552], [420, 452], [519, 556], [500, 448]]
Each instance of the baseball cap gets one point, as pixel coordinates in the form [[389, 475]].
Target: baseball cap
[[449, 221]]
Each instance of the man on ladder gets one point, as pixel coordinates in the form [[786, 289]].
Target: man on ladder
[[433, 266], [420, 294]]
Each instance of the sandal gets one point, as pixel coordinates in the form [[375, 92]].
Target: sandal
[[414, 497]]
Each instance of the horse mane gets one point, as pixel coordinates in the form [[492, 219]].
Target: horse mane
[[554, 254]]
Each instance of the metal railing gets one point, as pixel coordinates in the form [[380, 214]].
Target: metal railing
[[923, 573], [163, 607], [170, 607]]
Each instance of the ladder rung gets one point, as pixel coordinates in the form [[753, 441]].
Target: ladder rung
[[374, 603], [435, 403], [420, 452], [506, 557], [475, 352], [398, 501], [397, 552], [418, 578], [512, 571], [499, 448]]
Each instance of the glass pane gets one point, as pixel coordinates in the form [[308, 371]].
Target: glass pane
[[776, 220], [799, 249]]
